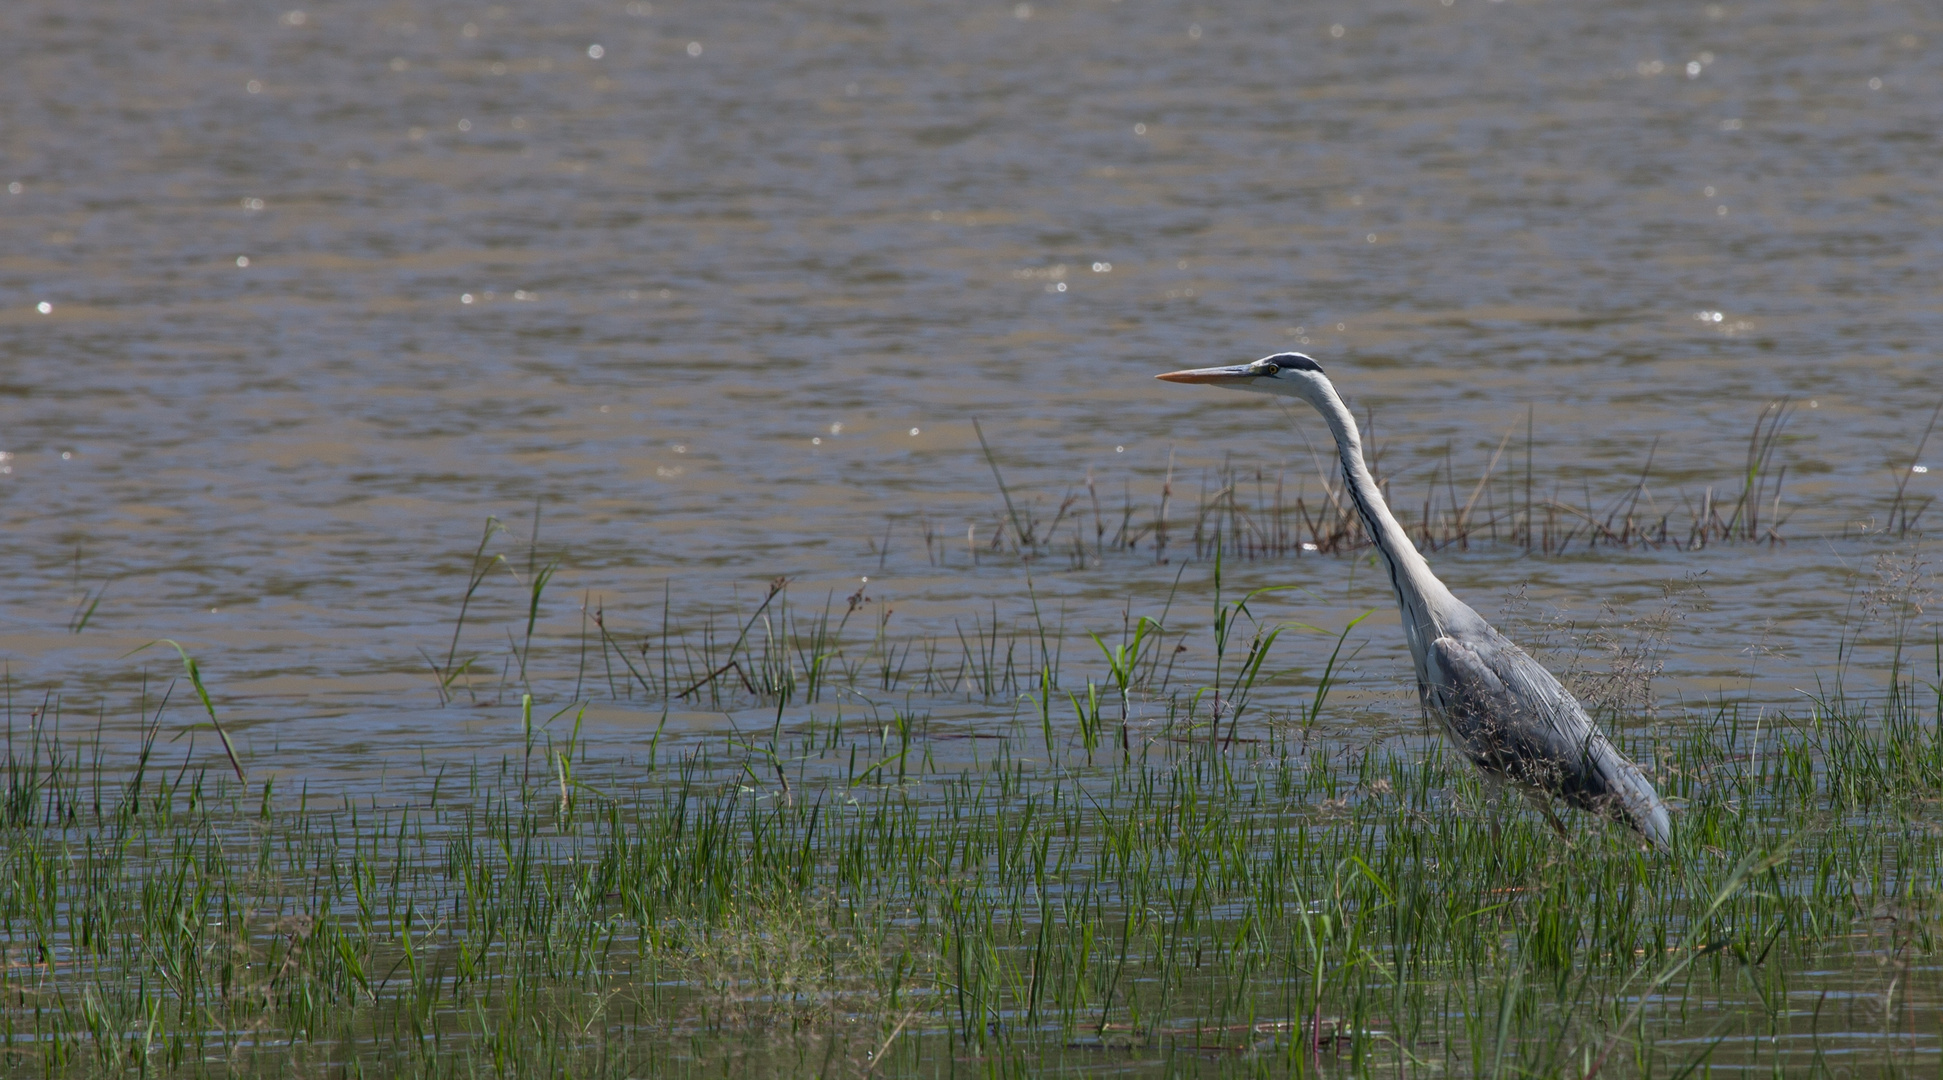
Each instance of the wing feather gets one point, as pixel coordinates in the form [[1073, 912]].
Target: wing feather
[[1515, 721]]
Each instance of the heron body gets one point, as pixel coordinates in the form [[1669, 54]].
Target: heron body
[[1501, 708]]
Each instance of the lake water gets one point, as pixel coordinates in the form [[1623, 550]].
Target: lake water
[[293, 299]]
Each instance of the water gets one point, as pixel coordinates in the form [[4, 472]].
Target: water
[[294, 299], [487, 270]]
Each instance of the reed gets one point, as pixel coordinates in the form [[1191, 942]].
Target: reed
[[1904, 512], [847, 886], [1254, 512], [88, 600], [454, 668]]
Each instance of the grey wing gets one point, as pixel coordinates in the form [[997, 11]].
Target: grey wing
[[1515, 721]]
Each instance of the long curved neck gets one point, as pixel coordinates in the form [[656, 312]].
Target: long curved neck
[[1416, 587]]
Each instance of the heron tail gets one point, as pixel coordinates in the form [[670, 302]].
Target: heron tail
[[1628, 796]]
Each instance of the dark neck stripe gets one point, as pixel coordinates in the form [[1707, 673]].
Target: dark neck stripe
[[1375, 529]]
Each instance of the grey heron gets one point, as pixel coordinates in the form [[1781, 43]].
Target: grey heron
[[1502, 709]]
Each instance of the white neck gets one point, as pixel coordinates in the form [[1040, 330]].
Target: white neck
[[1418, 590]]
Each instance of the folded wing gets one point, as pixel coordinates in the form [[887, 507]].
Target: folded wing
[[1515, 721]]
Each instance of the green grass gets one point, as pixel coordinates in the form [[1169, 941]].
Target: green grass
[[1044, 888]]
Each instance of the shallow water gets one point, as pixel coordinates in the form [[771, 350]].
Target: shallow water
[[324, 288]]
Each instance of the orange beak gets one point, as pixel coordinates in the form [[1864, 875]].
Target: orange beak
[[1217, 375]]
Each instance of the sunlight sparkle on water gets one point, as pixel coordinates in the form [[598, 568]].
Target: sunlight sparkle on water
[[44, 308]]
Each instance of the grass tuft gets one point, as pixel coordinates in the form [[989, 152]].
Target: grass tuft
[[845, 887]]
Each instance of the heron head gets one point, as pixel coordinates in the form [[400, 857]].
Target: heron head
[[1292, 374]]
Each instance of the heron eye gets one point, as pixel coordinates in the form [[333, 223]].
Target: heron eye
[[1267, 369]]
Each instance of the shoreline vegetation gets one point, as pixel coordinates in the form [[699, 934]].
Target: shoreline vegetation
[[1251, 513], [1137, 858], [781, 651], [852, 890], [1133, 864]]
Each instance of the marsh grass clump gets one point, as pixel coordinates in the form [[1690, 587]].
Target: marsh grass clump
[[843, 891], [893, 857], [1271, 512], [779, 648]]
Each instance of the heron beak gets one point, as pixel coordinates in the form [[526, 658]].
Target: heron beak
[[1217, 375]]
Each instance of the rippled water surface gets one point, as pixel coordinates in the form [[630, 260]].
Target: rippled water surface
[[294, 299]]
